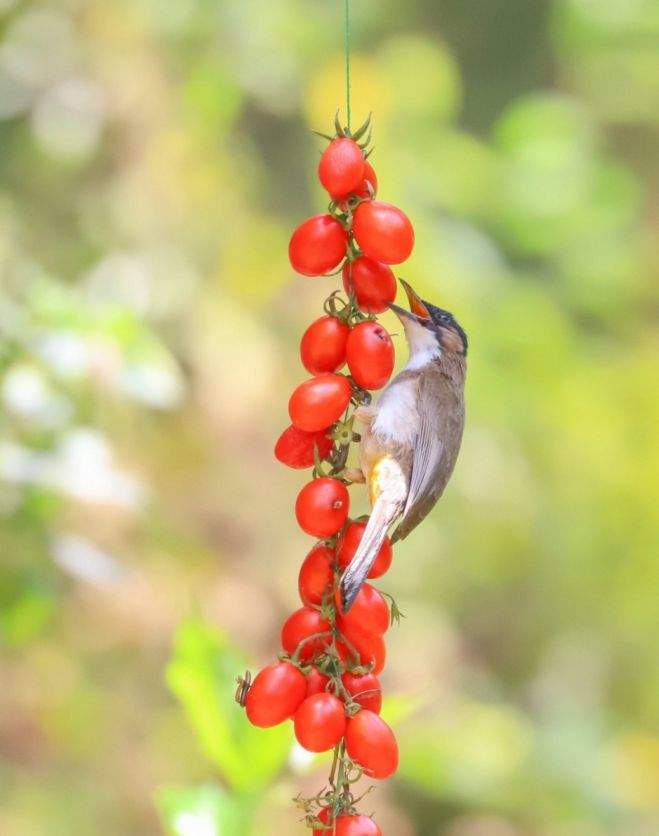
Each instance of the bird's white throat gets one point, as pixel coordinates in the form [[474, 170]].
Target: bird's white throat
[[423, 345]]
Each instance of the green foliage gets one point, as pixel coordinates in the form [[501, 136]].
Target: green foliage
[[202, 673]]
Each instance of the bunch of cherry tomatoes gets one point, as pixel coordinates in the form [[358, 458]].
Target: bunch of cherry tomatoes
[[327, 676]]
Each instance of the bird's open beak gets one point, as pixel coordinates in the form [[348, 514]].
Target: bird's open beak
[[417, 307]]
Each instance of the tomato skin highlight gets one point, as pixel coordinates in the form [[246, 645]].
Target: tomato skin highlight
[[275, 695], [323, 345], [341, 167], [371, 743], [349, 543], [322, 507], [320, 722], [372, 178], [295, 447], [383, 232], [317, 246], [319, 402], [371, 356], [316, 576], [300, 625], [365, 690], [369, 612], [316, 682], [373, 283]]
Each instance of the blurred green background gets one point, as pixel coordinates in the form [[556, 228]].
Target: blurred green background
[[154, 158]]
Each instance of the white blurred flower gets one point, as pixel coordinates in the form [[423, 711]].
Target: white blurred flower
[[25, 393], [200, 823], [15, 97], [38, 47], [85, 561], [68, 119], [66, 353], [81, 467], [300, 759], [154, 385], [121, 278]]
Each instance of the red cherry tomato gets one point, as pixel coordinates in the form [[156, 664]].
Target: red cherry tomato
[[369, 612], [383, 232], [369, 646], [371, 177], [316, 575], [317, 246], [371, 355], [319, 402], [323, 345], [275, 695], [295, 447], [346, 825], [349, 542], [341, 167], [322, 507], [371, 743], [320, 722], [299, 626], [373, 283], [325, 817], [356, 826], [365, 690], [316, 682]]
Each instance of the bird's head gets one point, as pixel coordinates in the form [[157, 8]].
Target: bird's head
[[429, 330]]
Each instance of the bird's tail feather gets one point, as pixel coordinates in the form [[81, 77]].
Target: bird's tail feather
[[382, 515]]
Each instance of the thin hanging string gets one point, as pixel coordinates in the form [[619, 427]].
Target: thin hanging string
[[347, 51]]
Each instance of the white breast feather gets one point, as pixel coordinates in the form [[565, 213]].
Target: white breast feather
[[397, 417]]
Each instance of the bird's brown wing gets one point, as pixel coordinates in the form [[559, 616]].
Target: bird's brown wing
[[440, 407]]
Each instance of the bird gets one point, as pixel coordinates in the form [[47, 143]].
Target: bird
[[411, 438]]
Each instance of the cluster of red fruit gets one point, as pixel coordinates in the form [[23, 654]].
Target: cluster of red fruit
[[327, 679]]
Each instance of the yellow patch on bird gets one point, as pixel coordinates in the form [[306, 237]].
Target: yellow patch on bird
[[386, 477]]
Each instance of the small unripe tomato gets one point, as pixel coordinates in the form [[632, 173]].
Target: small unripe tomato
[[369, 612], [317, 246], [370, 354], [358, 825], [319, 402], [341, 167], [350, 540], [383, 232], [322, 507], [371, 744], [275, 694], [320, 722], [323, 345], [316, 682], [295, 447], [316, 576], [365, 690], [299, 626], [373, 283], [370, 648], [370, 177]]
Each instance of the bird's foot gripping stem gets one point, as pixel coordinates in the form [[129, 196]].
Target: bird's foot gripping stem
[[354, 474]]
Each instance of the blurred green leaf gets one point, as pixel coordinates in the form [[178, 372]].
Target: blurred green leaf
[[202, 674]]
